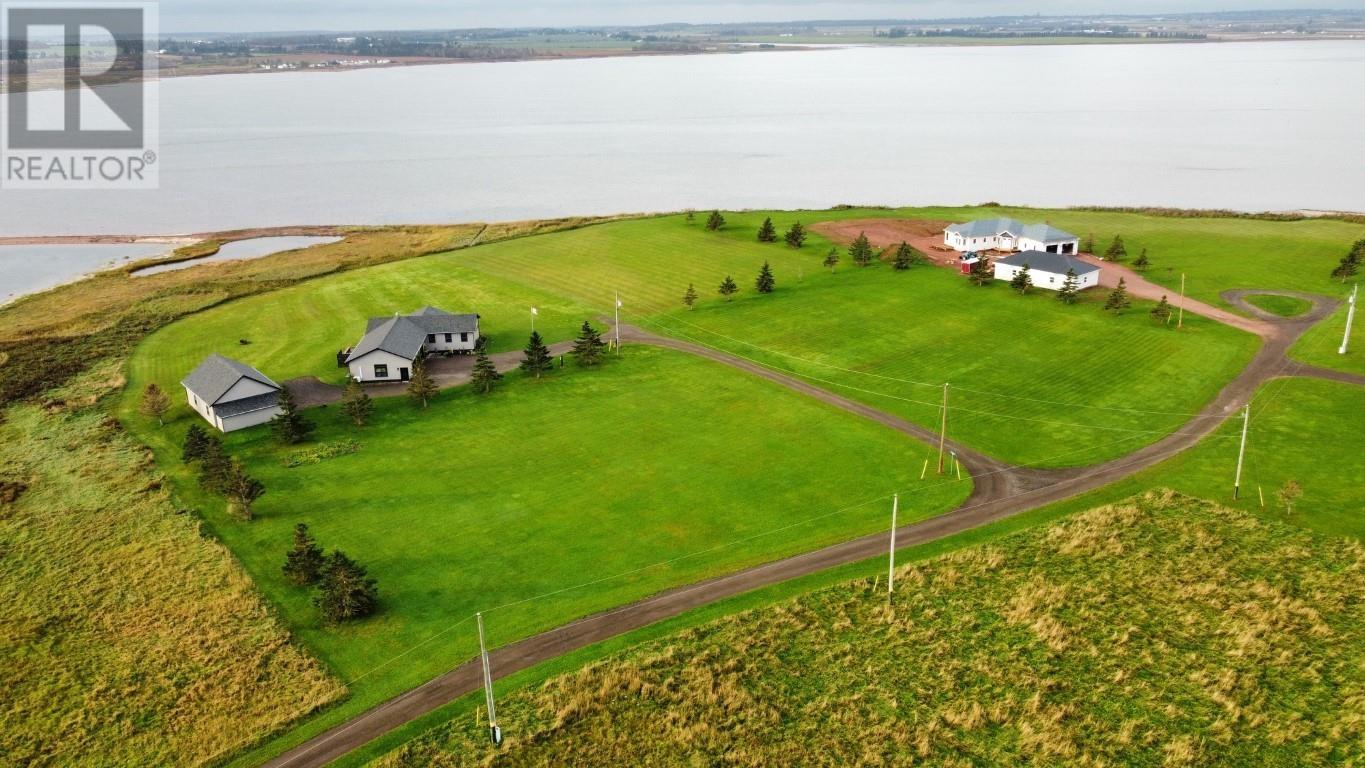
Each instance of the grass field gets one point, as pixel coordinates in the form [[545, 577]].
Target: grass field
[[126, 637], [1284, 306], [484, 502], [1035, 381], [1159, 631], [1320, 345]]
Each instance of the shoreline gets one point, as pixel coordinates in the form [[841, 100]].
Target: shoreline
[[341, 230]]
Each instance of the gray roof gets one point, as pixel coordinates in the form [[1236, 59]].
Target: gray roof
[[1043, 233], [1043, 261], [217, 374], [404, 335], [247, 404]]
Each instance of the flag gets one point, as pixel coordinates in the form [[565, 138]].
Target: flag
[[535, 311], [618, 303]]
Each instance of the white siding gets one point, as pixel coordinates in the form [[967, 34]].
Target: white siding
[[245, 388], [456, 344], [362, 369], [1048, 280], [1026, 244], [244, 420]]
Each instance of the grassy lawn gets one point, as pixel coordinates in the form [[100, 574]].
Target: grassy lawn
[[298, 330], [1320, 345], [1157, 631], [1284, 306], [482, 503], [1035, 380]]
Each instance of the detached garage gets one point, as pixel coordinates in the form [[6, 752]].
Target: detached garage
[[231, 395], [1048, 270]]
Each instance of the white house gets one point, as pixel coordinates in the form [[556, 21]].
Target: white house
[[392, 344], [231, 395], [1048, 270], [1009, 235]]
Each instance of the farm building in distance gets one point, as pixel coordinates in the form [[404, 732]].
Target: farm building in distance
[[231, 395], [1048, 270], [1009, 235], [391, 345]]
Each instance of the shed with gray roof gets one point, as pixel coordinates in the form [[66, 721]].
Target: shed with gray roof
[[1048, 270], [231, 395]]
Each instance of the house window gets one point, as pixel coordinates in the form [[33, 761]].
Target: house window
[[381, 371], [448, 337], [431, 338], [464, 337]]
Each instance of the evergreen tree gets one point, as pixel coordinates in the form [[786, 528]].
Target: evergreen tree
[[861, 250], [155, 403], [290, 426], [907, 257], [345, 591], [832, 259], [1118, 298], [796, 236], [1162, 311], [241, 490], [1022, 281], [214, 465], [1142, 262], [1116, 250], [728, 288], [421, 387], [195, 441], [485, 374], [690, 215], [1346, 269], [981, 273], [537, 359], [1088, 244], [356, 403], [303, 565], [1070, 290], [690, 298], [765, 282], [767, 233], [588, 347], [715, 221]]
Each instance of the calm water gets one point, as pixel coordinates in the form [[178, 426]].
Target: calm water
[[1251, 126], [32, 268], [237, 250]]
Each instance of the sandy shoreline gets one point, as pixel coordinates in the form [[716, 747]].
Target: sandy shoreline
[[306, 230]]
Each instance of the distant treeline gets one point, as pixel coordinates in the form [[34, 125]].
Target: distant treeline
[[1114, 32]]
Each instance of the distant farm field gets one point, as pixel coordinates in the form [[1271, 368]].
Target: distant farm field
[[1161, 631], [551, 499]]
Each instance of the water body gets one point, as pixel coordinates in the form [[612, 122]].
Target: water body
[[237, 250], [31, 268], [1253, 126]]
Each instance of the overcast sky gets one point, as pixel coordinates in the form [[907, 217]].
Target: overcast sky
[[269, 15]]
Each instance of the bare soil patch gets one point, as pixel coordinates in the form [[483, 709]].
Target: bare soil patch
[[924, 234]]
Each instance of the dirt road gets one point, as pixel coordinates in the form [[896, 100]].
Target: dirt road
[[1000, 491]]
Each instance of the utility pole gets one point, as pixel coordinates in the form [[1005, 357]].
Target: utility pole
[[891, 568], [943, 428], [1350, 318], [618, 322], [1181, 322], [493, 730], [1241, 453]]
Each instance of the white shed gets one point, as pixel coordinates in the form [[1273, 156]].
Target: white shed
[[231, 395], [1048, 270]]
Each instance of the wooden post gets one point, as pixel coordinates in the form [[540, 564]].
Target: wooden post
[[1181, 322], [943, 429], [891, 562]]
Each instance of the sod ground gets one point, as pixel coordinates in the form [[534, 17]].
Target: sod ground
[[1284, 306], [655, 470], [1302, 429], [1036, 381], [1159, 631], [1320, 345]]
